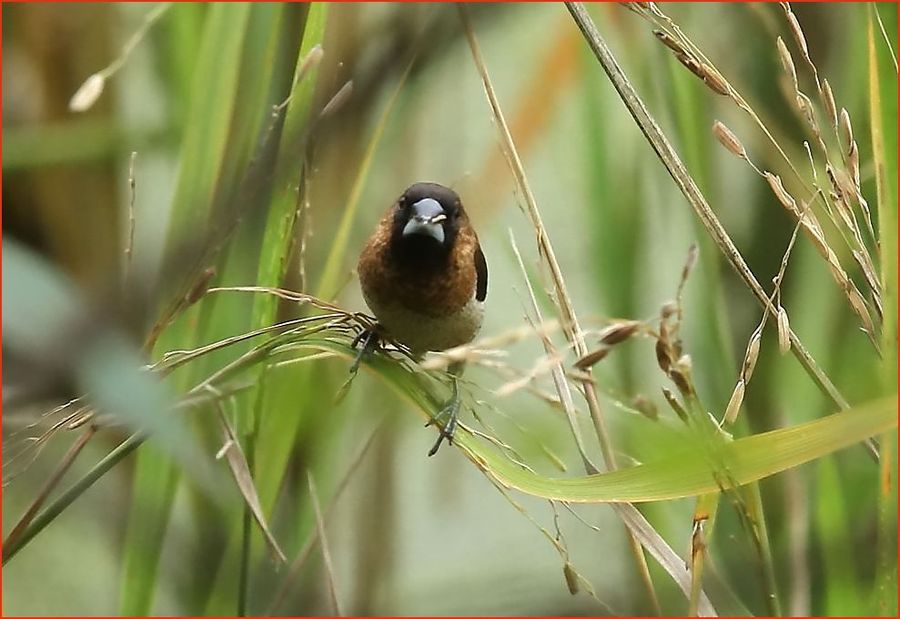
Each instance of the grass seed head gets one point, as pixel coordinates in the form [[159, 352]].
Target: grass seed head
[[786, 199], [619, 332], [828, 101], [846, 130], [729, 140], [751, 356], [784, 331], [787, 62], [734, 404], [592, 358], [797, 31]]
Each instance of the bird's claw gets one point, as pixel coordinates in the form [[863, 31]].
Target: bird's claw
[[448, 430], [370, 341]]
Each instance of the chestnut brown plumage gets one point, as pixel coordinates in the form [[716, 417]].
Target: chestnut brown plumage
[[424, 276]]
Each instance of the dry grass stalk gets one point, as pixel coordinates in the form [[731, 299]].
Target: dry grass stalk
[[567, 312], [678, 42]]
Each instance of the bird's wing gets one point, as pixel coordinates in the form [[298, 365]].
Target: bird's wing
[[482, 275]]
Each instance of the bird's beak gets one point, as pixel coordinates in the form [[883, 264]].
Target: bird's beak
[[427, 215]]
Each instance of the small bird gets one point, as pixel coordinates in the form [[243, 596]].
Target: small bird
[[424, 276]]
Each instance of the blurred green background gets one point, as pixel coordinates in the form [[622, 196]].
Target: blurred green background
[[412, 535]]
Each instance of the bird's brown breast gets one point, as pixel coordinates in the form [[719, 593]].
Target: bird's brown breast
[[434, 290]]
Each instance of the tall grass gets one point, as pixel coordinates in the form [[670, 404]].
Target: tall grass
[[664, 258]]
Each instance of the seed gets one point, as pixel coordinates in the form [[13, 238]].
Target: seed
[[828, 100], [798, 33], [729, 140], [846, 129], [805, 106], [571, 578], [592, 357], [859, 306], [669, 42], [88, 93], [784, 331], [787, 62], [734, 404], [786, 199], [662, 355], [714, 80], [619, 332], [751, 355], [853, 163]]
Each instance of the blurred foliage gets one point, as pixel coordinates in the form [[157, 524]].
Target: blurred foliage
[[270, 138]]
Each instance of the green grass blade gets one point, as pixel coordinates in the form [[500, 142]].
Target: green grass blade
[[883, 113], [202, 158], [686, 471]]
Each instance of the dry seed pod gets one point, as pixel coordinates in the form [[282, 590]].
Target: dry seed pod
[[798, 33], [729, 140], [787, 62], [837, 272], [784, 331], [805, 106], [846, 129], [591, 358], [734, 404], [662, 355], [786, 199], [88, 93], [571, 578], [714, 80], [751, 355], [866, 268], [619, 332], [853, 163], [859, 306], [669, 42], [828, 100]]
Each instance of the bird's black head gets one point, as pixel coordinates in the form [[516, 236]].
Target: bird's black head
[[427, 219]]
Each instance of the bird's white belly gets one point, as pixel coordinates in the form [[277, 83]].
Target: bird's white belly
[[421, 332]]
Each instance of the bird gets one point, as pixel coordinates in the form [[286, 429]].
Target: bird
[[424, 276]]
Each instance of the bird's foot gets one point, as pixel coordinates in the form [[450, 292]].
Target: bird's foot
[[370, 343], [450, 413]]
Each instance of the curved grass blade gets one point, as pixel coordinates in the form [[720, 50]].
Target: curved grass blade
[[686, 471]]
